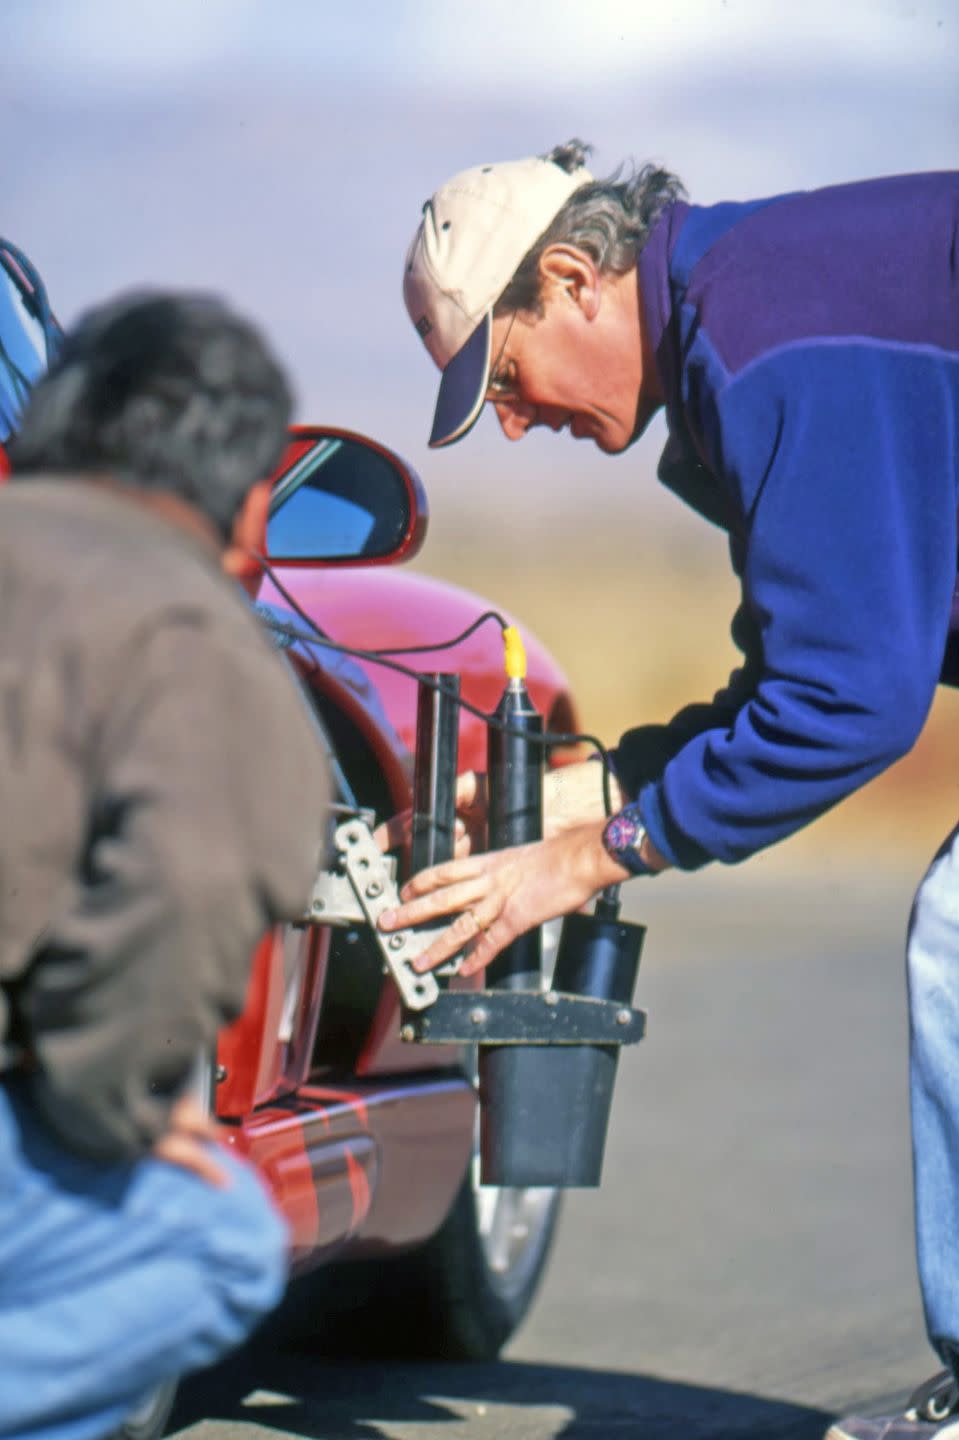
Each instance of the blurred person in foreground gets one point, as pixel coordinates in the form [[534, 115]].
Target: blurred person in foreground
[[806, 351], [164, 803]]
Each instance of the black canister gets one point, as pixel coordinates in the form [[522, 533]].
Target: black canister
[[546, 1108]]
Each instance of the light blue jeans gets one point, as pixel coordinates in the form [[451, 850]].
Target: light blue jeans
[[933, 970], [116, 1278]]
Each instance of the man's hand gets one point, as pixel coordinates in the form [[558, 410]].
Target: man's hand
[[572, 795], [470, 832], [505, 893], [187, 1143]]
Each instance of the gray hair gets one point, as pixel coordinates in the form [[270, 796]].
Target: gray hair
[[610, 220]]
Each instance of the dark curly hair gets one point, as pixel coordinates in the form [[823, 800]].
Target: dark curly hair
[[161, 392]]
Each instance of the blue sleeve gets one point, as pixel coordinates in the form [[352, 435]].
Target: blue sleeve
[[843, 459], [644, 751]]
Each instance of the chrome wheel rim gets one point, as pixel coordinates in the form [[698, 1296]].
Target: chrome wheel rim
[[513, 1225]]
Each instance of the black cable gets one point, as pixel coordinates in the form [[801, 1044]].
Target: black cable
[[486, 616], [444, 644], [547, 738]]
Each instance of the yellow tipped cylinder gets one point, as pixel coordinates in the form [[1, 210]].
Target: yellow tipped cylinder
[[514, 653]]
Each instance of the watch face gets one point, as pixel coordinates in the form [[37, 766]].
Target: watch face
[[623, 833]]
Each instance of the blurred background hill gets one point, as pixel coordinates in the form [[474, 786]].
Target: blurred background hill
[[279, 151]]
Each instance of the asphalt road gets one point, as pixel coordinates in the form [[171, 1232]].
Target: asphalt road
[[746, 1269]]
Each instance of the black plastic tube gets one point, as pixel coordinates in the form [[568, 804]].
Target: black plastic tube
[[546, 1108], [434, 772], [515, 815]]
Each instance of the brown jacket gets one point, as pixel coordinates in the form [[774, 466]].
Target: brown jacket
[[163, 800]]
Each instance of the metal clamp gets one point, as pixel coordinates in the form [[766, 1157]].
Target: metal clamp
[[357, 891]]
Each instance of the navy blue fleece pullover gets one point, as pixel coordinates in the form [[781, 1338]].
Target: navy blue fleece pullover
[[808, 347]]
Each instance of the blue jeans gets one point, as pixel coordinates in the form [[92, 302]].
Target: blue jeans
[[116, 1278], [933, 970]]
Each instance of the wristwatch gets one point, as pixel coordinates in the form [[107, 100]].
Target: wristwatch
[[623, 836]]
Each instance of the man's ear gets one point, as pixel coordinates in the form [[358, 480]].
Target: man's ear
[[567, 268], [249, 535]]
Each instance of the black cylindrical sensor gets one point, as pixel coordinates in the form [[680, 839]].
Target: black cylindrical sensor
[[434, 770], [515, 817], [546, 1107], [515, 814]]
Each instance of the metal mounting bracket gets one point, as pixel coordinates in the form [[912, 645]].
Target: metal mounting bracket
[[362, 884], [359, 890], [524, 1017]]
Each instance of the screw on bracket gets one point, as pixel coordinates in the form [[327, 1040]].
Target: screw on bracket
[[623, 1017], [396, 942], [478, 1016], [374, 889], [407, 1032]]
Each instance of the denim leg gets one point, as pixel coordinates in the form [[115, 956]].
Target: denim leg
[[115, 1278], [932, 956]]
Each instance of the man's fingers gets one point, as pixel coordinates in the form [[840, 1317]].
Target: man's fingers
[[394, 832], [465, 928], [470, 790], [487, 946], [202, 1127], [448, 875], [448, 944], [188, 1153], [188, 1117], [446, 901]]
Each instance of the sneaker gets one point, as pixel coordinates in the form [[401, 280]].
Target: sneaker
[[932, 1414]]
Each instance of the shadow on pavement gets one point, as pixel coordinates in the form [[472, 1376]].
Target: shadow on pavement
[[316, 1398]]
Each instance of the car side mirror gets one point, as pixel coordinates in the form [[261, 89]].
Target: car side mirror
[[340, 499]]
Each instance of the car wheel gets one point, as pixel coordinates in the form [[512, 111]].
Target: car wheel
[[460, 1296], [148, 1420]]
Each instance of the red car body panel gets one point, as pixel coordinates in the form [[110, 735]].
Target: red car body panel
[[374, 609]]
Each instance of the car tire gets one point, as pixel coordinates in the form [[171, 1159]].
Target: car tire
[[476, 1278], [460, 1296]]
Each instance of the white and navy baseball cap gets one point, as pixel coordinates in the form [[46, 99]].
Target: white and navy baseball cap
[[474, 232]]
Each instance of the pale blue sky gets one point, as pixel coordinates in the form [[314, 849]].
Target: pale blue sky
[[280, 150]]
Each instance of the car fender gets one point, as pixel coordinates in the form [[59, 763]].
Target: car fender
[[374, 609]]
